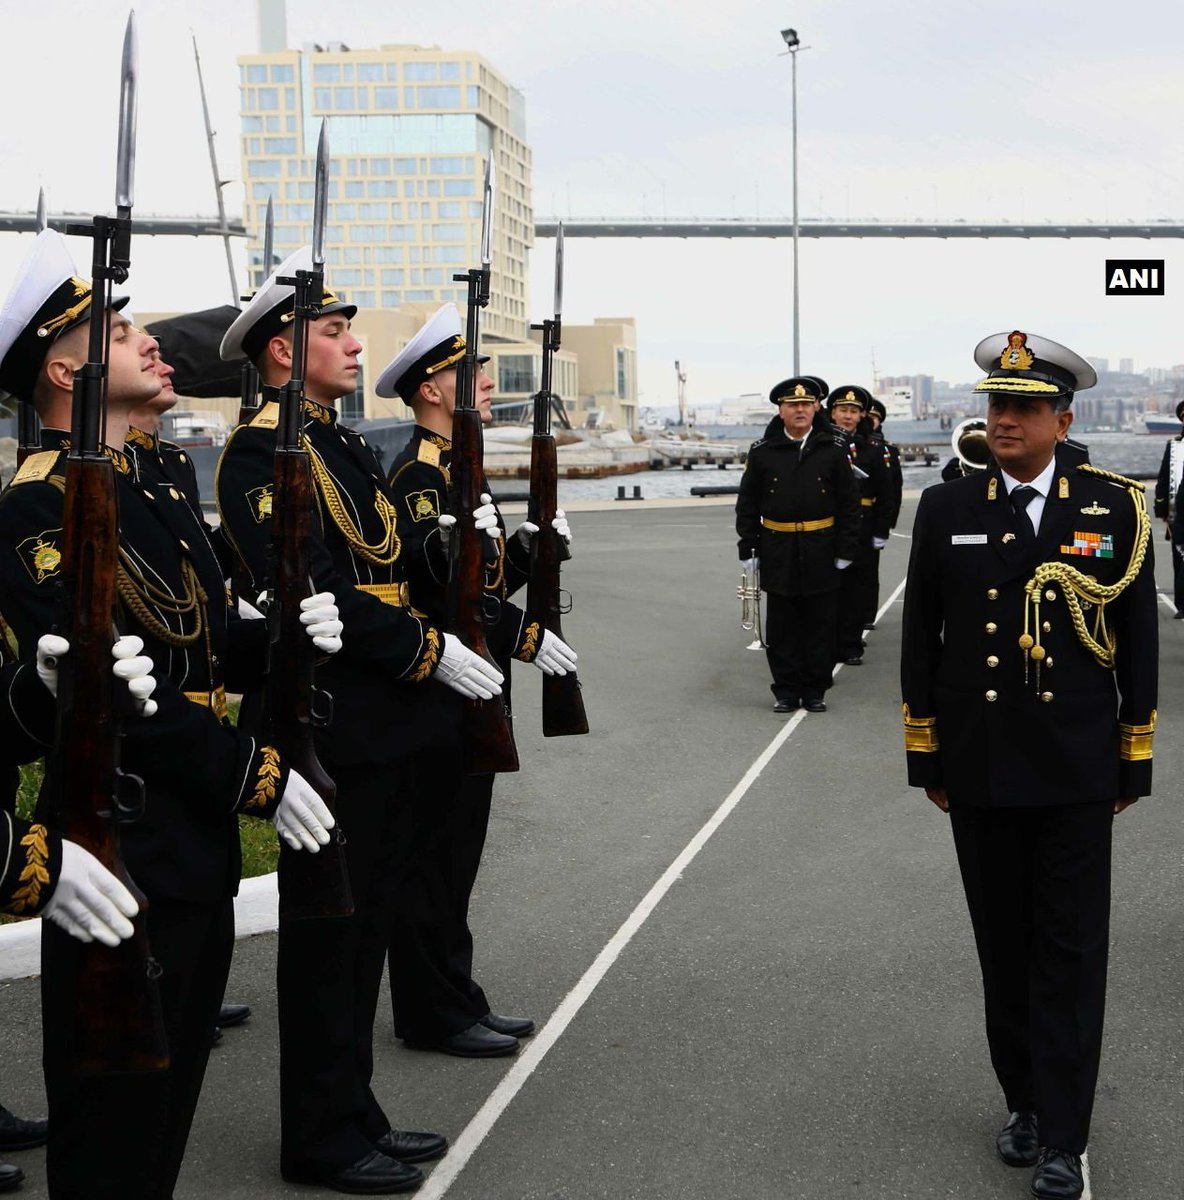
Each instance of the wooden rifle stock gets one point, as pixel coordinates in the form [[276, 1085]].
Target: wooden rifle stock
[[563, 703]]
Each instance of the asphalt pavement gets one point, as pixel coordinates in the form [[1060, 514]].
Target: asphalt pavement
[[794, 1011]]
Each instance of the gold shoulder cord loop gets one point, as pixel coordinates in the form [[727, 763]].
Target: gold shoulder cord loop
[[137, 593], [1077, 587], [381, 554]]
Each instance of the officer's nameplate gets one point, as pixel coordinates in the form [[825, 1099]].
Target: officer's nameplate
[[968, 539]]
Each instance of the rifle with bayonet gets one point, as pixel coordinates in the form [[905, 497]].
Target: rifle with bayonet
[[249, 402], [563, 705], [118, 1023], [489, 740], [310, 885], [28, 426]]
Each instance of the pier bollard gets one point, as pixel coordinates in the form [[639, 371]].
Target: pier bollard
[[636, 492]]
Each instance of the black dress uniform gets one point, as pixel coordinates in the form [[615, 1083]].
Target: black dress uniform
[[434, 994], [383, 713], [183, 852], [1028, 674], [890, 453], [1169, 491], [798, 510], [859, 584]]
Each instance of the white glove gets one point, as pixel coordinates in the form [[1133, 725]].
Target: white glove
[[248, 611], [560, 525], [318, 615], [130, 665], [89, 903], [841, 564], [752, 564], [555, 656], [485, 517], [136, 671], [879, 543], [525, 532], [302, 819], [466, 672]]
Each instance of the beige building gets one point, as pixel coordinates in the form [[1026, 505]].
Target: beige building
[[409, 128], [607, 354]]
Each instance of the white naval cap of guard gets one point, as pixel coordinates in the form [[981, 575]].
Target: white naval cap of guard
[[436, 347], [47, 299], [269, 311], [1029, 365]]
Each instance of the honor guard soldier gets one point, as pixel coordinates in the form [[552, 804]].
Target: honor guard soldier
[[857, 587], [1169, 492], [1028, 672], [384, 686], [437, 1003], [797, 520], [124, 1135], [877, 414]]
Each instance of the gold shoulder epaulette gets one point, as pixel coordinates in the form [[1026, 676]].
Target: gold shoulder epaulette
[[428, 453], [36, 468], [268, 417], [1111, 476]]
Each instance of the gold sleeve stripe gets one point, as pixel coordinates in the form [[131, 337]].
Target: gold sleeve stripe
[[1135, 740], [920, 733]]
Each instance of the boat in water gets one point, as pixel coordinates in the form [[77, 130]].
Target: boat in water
[[1161, 423]]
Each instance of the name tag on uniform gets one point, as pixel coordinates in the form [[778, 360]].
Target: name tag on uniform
[[968, 539]]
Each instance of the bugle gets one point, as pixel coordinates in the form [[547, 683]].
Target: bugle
[[749, 592], [969, 442]]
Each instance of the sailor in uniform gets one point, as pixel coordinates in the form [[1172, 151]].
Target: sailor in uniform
[[875, 417], [846, 406], [437, 1003], [124, 1136], [386, 686], [1028, 673], [1169, 491], [798, 522]]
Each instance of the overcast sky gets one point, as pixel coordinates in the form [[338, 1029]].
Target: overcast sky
[[1060, 110]]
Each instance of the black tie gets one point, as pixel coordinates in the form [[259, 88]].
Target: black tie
[[1020, 498]]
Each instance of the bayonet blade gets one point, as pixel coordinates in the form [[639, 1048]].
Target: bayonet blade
[[125, 170], [42, 219], [268, 238], [487, 213], [320, 198], [559, 272]]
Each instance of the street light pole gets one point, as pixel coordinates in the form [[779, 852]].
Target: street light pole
[[792, 43]]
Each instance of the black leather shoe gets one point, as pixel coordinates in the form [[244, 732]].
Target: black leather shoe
[[1058, 1175], [474, 1042], [230, 1015], [410, 1147], [856, 660], [814, 705], [1018, 1142], [515, 1027], [374, 1175], [10, 1177], [19, 1134], [791, 705], [216, 1035]]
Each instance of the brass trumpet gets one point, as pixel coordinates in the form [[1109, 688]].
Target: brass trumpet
[[749, 592], [969, 442]]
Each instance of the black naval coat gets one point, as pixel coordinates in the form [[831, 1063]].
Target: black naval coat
[[894, 497], [199, 771], [381, 710], [875, 486], [419, 478], [819, 492], [984, 720]]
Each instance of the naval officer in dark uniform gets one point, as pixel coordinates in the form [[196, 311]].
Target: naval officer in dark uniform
[[797, 520], [1169, 492], [846, 406], [124, 1136], [1028, 672], [875, 417], [394, 661], [437, 1003]]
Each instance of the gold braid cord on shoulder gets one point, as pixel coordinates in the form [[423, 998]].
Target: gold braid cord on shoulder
[[1077, 587], [137, 592], [381, 554]]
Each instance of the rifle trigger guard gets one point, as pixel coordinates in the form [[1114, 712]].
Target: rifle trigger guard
[[129, 798], [564, 602], [320, 708], [152, 969], [491, 608]]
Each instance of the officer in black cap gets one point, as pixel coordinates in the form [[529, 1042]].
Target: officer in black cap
[[1029, 677], [798, 522], [847, 406], [1169, 494], [876, 415]]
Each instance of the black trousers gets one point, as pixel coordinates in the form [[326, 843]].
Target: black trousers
[[857, 590], [433, 993], [1177, 578], [799, 631], [328, 975], [1037, 885], [124, 1136]]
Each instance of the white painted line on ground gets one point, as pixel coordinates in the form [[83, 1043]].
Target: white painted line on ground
[[1088, 1193], [473, 1134], [1167, 602]]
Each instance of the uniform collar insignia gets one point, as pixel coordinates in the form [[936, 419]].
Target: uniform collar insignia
[[319, 412]]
